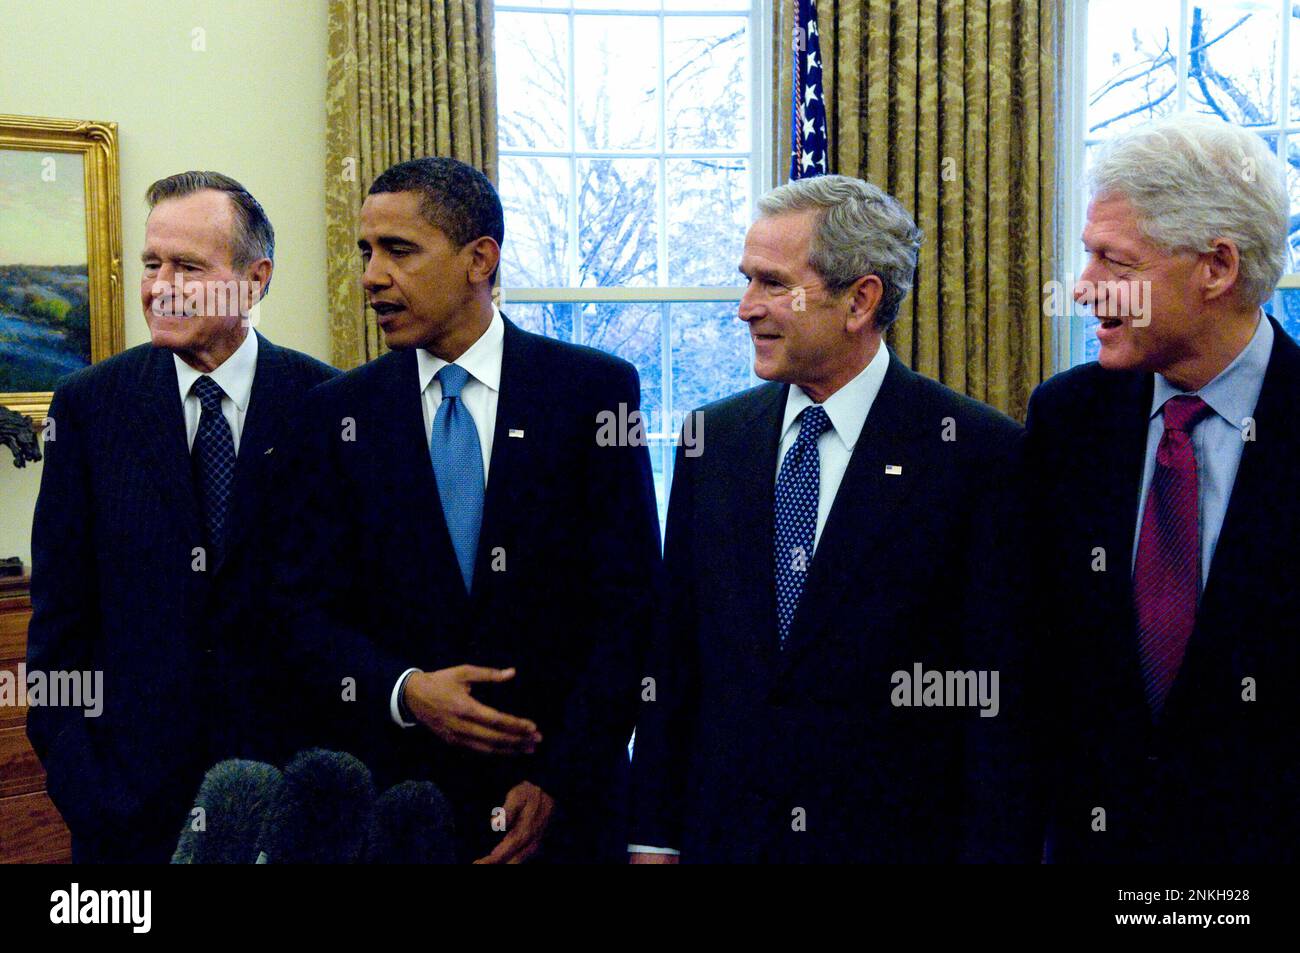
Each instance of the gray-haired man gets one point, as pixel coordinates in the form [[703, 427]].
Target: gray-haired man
[[148, 548], [1168, 517], [838, 678]]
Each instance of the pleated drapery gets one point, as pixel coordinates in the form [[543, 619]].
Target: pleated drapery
[[950, 106], [406, 78]]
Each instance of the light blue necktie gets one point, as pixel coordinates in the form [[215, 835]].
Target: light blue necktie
[[458, 467], [797, 489]]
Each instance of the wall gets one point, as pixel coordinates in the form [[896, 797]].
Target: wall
[[251, 104]]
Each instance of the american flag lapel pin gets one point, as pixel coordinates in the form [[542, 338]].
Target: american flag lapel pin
[[893, 469], [517, 433]]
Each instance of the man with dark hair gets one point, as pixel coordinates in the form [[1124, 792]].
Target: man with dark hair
[[473, 596], [148, 539]]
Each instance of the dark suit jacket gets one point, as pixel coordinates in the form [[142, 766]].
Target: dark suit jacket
[[563, 586], [114, 589], [1218, 779], [909, 568]]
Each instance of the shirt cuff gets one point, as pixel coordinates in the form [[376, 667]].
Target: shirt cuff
[[642, 849], [394, 700]]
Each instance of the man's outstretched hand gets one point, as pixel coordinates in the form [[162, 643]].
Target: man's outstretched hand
[[443, 703]]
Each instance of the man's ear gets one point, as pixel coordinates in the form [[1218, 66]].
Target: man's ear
[[1222, 267], [865, 295], [485, 255], [259, 274]]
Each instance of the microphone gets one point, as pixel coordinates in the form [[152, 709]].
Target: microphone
[[321, 812], [412, 824], [234, 798]]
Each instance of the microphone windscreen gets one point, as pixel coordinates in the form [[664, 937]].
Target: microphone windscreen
[[322, 811], [229, 810], [412, 824]]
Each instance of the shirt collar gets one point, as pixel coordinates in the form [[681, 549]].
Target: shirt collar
[[848, 407], [482, 360], [234, 375], [1235, 390]]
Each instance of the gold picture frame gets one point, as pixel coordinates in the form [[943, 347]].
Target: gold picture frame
[[96, 145]]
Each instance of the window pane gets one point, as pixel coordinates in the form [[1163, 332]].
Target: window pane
[[1293, 189], [1232, 61], [617, 77], [712, 355], [706, 4], [1287, 310], [532, 56], [535, 199], [707, 82], [616, 5], [1132, 62], [553, 319], [708, 212], [633, 332], [618, 214]]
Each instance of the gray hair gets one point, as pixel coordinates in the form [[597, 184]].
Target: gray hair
[[861, 230], [254, 238], [1191, 180]]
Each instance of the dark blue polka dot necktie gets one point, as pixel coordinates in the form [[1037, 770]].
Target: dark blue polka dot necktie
[[797, 489], [213, 460]]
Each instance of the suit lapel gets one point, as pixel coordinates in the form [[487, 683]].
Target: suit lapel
[[256, 444], [159, 427], [868, 501], [405, 456], [1246, 534], [1119, 452], [516, 400], [750, 501]]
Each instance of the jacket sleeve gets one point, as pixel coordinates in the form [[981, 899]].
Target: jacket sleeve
[[90, 791], [662, 735]]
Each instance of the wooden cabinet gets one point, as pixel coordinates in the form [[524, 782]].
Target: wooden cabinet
[[31, 830]]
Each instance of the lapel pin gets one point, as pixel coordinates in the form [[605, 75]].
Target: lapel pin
[[268, 451], [517, 433], [893, 469]]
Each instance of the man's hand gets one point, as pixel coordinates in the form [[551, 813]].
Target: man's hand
[[441, 701], [645, 857], [528, 812]]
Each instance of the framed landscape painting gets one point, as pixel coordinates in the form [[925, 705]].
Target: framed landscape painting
[[60, 254]]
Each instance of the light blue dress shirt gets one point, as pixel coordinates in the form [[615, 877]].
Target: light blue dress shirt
[[1218, 439]]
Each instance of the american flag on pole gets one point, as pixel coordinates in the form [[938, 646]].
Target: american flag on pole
[[808, 125]]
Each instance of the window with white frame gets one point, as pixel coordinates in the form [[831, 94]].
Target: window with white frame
[[632, 142], [1133, 62]]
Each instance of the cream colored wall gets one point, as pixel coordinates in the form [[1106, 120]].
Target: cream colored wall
[[250, 103]]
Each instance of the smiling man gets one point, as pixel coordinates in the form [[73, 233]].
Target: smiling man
[[501, 562], [1167, 517], [148, 546], [848, 521]]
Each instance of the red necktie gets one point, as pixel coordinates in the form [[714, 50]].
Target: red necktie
[[1167, 576]]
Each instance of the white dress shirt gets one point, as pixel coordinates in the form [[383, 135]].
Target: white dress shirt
[[234, 375], [479, 396], [847, 409]]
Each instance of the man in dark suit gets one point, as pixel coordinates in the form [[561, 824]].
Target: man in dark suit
[[471, 599], [1167, 515], [818, 720], [147, 543]]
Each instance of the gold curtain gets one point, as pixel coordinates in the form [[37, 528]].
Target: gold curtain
[[406, 78], [950, 106]]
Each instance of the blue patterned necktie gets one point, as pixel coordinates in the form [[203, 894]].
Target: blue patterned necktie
[[458, 467], [213, 460], [797, 488]]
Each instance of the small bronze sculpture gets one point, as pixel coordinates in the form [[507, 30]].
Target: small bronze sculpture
[[17, 433]]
